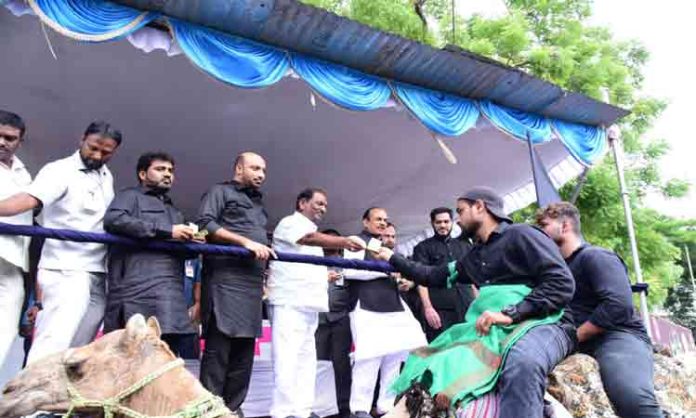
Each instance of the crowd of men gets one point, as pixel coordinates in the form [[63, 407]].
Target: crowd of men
[[316, 312]]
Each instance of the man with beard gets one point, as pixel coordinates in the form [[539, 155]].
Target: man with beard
[[232, 288], [14, 250], [442, 307], [297, 292], [609, 328], [148, 282], [524, 288], [383, 327], [72, 193]]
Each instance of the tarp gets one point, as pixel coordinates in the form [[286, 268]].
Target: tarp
[[388, 156]]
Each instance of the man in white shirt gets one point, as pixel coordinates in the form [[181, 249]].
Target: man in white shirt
[[297, 293], [73, 193], [14, 250]]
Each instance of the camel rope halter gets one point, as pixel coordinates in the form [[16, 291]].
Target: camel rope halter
[[207, 406]]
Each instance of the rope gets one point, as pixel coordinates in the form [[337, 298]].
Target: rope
[[207, 406], [189, 248]]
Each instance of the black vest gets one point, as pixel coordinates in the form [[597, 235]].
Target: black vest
[[377, 295]]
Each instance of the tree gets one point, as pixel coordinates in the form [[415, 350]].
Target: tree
[[552, 39]]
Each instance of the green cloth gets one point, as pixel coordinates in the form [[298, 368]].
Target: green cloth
[[459, 363]]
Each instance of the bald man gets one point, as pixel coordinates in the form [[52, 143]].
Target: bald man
[[232, 212]]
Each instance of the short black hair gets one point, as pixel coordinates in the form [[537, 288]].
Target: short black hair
[[308, 194], [391, 225], [331, 232], [104, 129], [438, 211], [146, 160], [14, 120], [368, 211]]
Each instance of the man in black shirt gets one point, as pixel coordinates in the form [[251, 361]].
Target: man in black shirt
[[510, 254], [609, 329], [442, 307], [232, 288], [148, 282]]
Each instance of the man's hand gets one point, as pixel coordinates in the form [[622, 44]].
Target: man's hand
[[194, 313], [334, 276], [488, 319], [261, 252], [353, 243], [384, 254], [432, 317], [405, 285], [182, 232], [32, 313]]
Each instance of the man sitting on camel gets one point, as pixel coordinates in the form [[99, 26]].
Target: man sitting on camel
[[515, 332]]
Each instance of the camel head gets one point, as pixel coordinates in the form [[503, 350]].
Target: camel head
[[97, 371]]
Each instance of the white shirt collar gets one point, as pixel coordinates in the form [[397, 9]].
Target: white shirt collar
[[17, 164]]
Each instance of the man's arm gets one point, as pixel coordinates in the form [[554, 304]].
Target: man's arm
[[18, 203], [212, 206], [609, 280], [363, 275], [556, 285], [431, 315], [318, 239], [430, 276]]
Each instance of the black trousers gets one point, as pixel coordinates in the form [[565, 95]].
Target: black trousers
[[226, 366], [185, 346], [333, 340]]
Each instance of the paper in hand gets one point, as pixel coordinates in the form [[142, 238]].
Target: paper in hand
[[374, 245]]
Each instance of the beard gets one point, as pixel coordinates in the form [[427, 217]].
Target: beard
[[470, 229], [92, 164]]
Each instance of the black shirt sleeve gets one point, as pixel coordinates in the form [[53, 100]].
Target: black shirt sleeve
[[212, 206], [555, 283], [121, 219], [429, 276], [609, 280]]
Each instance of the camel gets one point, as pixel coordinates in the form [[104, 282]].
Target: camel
[[126, 373]]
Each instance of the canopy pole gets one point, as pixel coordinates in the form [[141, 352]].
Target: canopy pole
[[691, 269], [614, 141]]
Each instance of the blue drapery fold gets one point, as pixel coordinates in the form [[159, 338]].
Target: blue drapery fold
[[517, 122], [586, 143], [250, 64], [343, 86], [442, 113], [91, 20], [228, 58]]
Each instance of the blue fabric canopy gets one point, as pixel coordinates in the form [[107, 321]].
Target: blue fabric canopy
[[347, 88], [443, 113], [517, 123], [250, 64], [234, 60], [91, 20], [586, 143]]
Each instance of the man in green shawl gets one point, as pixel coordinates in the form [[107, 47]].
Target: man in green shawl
[[515, 332]]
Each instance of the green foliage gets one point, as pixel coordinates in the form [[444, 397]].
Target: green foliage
[[552, 39]]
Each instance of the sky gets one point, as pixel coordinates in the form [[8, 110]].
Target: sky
[[666, 28]]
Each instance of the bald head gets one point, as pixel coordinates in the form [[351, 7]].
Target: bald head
[[250, 169]]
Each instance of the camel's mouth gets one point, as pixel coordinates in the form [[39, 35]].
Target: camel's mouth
[[14, 404]]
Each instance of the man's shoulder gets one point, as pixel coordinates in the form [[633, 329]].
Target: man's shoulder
[[62, 163], [130, 191], [525, 229], [595, 252]]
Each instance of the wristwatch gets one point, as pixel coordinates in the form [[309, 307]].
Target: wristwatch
[[39, 305], [511, 311]]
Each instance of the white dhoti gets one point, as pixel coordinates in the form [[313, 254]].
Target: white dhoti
[[294, 361], [73, 303], [11, 300], [382, 342]]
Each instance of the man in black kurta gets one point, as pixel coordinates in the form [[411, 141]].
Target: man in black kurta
[[148, 282], [233, 213]]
